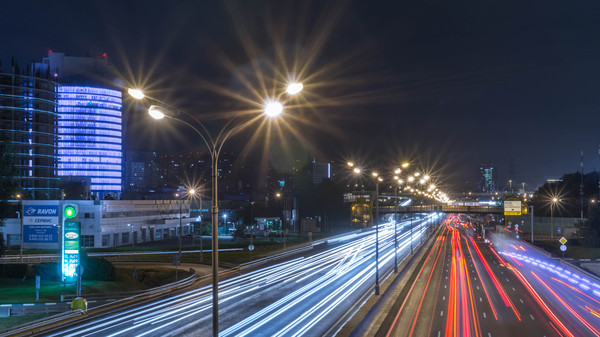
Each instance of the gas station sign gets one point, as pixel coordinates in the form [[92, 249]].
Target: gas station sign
[[71, 258]]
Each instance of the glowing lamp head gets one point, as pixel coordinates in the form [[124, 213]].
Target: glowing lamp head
[[192, 191], [294, 88], [273, 109], [405, 164], [397, 171], [136, 93], [356, 170], [155, 112]]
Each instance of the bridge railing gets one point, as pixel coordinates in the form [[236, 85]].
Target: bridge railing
[[443, 208]]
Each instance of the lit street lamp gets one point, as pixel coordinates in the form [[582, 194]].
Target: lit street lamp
[[552, 204], [271, 109]]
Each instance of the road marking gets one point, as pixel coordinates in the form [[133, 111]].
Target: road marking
[[480, 300], [489, 334], [501, 272], [446, 279], [442, 313], [514, 289], [484, 316], [477, 287], [475, 278], [444, 288], [439, 333], [531, 317], [444, 298], [507, 280], [519, 300]]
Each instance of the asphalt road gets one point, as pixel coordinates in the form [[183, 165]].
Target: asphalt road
[[310, 294], [569, 296], [464, 289]]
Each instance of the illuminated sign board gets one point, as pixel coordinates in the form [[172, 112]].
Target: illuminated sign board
[[512, 207], [71, 257], [40, 223]]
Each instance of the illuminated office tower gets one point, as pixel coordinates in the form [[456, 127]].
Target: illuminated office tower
[[90, 137]]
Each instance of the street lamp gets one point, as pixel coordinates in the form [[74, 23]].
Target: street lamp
[[284, 222], [271, 109], [377, 179], [20, 212], [553, 202]]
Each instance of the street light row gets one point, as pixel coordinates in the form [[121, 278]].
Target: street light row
[[431, 192]]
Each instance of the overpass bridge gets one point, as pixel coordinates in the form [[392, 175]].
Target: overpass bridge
[[443, 209]]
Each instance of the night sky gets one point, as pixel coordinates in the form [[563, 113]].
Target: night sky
[[451, 84]]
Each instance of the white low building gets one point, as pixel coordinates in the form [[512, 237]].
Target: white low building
[[104, 223]]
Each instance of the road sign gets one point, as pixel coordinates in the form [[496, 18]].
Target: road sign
[[562, 240], [251, 247], [563, 248], [512, 207]]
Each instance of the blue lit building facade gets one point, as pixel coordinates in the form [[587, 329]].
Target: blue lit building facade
[[90, 137], [28, 118]]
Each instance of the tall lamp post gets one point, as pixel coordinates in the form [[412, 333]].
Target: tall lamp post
[[20, 213], [377, 181], [284, 223], [271, 109], [553, 202]]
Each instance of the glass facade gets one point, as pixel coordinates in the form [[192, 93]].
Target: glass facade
[[90, 136], [28, 116]]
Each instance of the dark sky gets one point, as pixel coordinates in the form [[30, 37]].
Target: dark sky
[[452, 84]]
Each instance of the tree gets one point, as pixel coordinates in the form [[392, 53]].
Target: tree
[[8, 186], [589, 231]]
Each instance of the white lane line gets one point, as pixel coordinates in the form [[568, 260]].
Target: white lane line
[[477, 287], [444, 288], [489, 334], [484, 316], [439, 333], [444, 298], [514, 289], [446, 278], [530, 315], [507, 280], [519, 300], [442, 313], [480, 300]]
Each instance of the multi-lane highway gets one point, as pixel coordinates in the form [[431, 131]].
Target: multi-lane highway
[[463, 288], [311, 295], [569, 297]]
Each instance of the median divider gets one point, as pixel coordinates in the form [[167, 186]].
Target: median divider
[[371, 311]]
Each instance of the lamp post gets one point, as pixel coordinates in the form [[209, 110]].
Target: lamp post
[[554, 201], [20, 212], [271, 109], [284, 222], [377, 181], [396, 178]]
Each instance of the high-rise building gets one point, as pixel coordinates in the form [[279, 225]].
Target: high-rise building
[[321, 171], [28, 117], [90, 121], [487, 178], [90, 136]]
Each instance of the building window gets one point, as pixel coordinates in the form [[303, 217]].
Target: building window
[[87, 241], [124, 238], [105, 239], [89, 215]]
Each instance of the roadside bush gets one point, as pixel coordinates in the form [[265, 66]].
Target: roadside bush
[[47, 271], [13, 270], [98, 269]]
